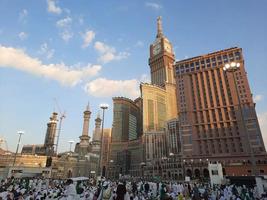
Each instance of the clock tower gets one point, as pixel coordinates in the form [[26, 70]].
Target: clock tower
[[161, 59]]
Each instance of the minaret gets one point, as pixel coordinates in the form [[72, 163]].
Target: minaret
[[51, 134], [84, 138], [97, 131]]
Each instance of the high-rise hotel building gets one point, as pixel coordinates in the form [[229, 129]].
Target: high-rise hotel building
[[126, 150], [216, 108], [194, 111], [159, 107]]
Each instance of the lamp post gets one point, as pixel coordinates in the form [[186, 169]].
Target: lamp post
[[184, 169], [70, 142], [232, 68], [20, 133], [171, 163], [192, 168], [109, 172], [162, 164], [142, 164], [103, 107]]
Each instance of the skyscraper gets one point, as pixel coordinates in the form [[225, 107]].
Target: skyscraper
[[195, 111], [159, 105], [216, 108], [126, 120], [105, 150], [126, 152]]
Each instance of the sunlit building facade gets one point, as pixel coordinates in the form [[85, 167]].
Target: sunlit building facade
[[126, 120], [126, 148], [216, 109]]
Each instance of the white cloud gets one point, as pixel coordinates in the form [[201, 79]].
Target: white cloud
[[66, 35], [153, 5], [108, 53], [102, 87], [258, 98], [23, 15], [52, 7], [66, 75], [65, 22], [88, 37], [65, 28], [46, 51], [23, 35], [139, 44], [263, 124]]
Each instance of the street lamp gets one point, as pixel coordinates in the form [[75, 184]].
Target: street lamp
[[103, 107], [233, 67], [109, 172], [142, 164], [170, 166], [20, 133], [171, 154], [164, 158], [70, 142], [184, 168]]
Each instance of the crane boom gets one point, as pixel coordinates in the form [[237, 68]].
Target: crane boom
[[61, 117]]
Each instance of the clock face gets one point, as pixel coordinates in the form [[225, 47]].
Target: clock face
[[156, 49], [167, 47]]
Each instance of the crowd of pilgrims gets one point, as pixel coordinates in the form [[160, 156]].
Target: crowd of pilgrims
[[46, 189]]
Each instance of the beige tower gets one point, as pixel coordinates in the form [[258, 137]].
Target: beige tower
[[161, 59], [158, 99], [84, 138], [97, 131]]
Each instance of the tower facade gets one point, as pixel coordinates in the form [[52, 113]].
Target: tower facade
[[126, 149], [126, 120], [51, 134], [216, 109], [159, 106], [161, 59]]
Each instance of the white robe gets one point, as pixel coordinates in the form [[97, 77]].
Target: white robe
[[71, 192]]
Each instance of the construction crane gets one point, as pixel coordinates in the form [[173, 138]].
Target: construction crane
[[61, 117]]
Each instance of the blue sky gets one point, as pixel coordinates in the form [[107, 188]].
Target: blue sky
[[80, 51]]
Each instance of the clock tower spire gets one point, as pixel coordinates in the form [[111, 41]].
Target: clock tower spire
[[161, 59], [159, 27]]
